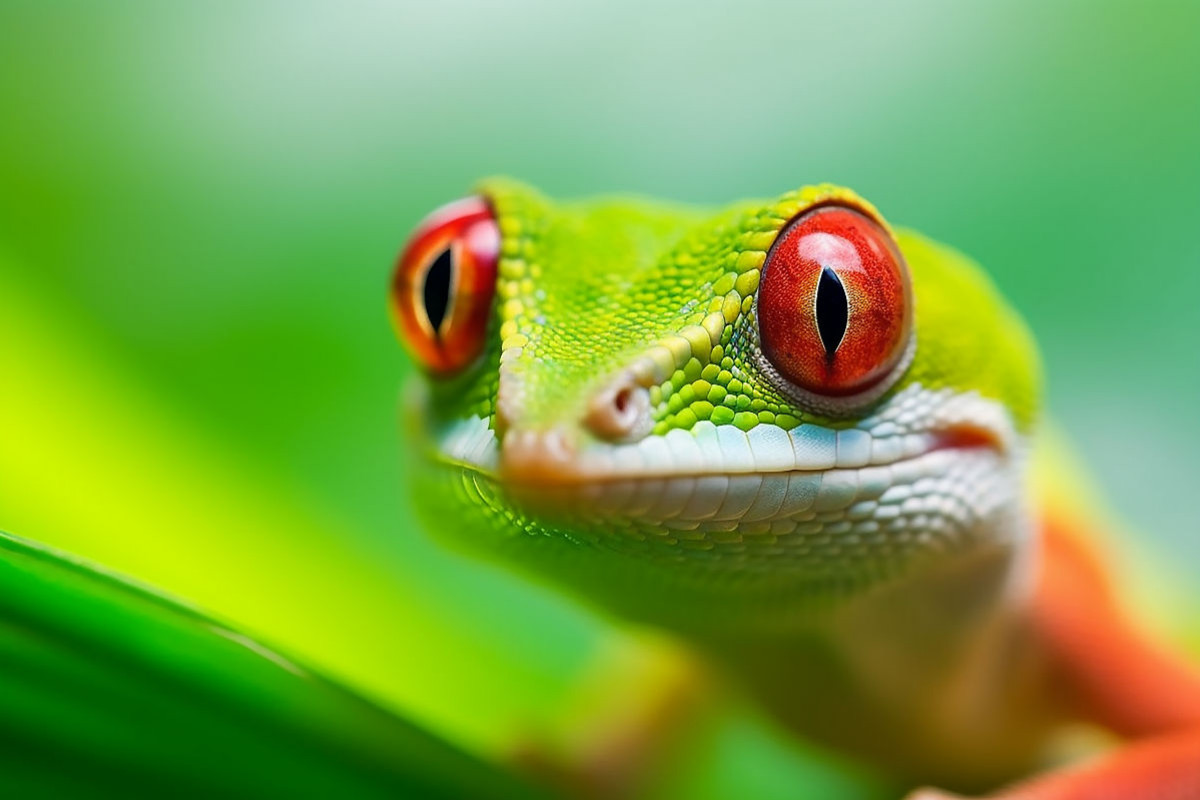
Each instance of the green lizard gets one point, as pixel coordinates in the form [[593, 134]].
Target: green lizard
[[798, 439]]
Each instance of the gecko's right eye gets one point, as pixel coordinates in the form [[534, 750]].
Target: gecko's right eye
[[444, 283]]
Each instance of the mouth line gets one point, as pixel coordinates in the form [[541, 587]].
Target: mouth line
[[961, 437], [951, 442], [840, 499], [924, 472]]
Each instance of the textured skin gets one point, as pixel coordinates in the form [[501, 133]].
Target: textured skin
[[590, 290], [586, 288]]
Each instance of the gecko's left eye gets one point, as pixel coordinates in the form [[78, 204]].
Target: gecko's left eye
[[444, 283], [835, 304]]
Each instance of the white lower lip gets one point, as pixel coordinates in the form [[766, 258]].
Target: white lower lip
[[932, 490], [950, 483], [891, 476], [823, 509], [548, 458]]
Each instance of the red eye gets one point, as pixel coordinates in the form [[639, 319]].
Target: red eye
[[444, 283], [834, 304]]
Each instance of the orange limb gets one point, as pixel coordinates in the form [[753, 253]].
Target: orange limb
[[1165, 767], [1161, 768], [1118, 677]]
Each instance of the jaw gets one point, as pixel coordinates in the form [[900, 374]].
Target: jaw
[[718, 532]]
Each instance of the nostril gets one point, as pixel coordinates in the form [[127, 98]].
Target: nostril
[[622, 399], [620, 411]]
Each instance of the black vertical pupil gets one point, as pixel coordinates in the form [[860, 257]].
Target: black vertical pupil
[[833, 310], [436, 290]]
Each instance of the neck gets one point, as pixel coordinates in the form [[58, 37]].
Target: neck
[[932, 667]]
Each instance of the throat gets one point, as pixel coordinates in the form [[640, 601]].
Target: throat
[[906, 675]]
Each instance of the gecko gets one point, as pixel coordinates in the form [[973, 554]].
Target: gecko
[[798, 439]]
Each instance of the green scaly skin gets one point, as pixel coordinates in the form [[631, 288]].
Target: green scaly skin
[[849, 624]]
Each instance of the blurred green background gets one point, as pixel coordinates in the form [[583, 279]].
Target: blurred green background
[[199, 205]]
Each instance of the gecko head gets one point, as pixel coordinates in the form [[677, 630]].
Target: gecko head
[[674, 411]]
